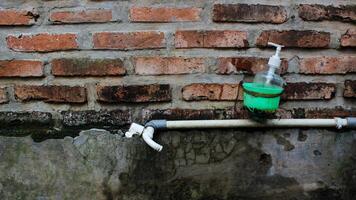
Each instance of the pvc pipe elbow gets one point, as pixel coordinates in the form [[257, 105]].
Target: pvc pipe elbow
[[147, 136]]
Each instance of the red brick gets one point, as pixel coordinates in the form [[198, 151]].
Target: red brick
[[350, 88], [211, 92], [249, 13], [21, 68], [211, 39], [51, 93], [17, 17], [43, 42], [349, 38], [168, 65], [164, 14], [249, 65], [87, 67], [134, 93], [315, 12], [309, 91], [83, 16], [328, 65], [294, 38], [130, 40], [3, 95]]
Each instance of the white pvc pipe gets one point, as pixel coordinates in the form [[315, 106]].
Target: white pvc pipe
[[249, 123], [147, 133], [147, 136]]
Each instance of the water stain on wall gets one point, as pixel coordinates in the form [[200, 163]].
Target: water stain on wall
[[194, 165]]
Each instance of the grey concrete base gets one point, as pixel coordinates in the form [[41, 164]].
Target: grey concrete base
[[194, 165]]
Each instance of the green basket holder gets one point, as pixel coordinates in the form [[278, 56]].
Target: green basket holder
[[258, 96]]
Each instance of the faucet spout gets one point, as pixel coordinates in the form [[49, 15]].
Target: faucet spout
[[147, 136]]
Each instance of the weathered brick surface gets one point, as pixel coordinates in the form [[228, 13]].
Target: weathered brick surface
[[164, 14], [42, 42], [17, 17], [208, 114], [21, 68], [350, 88], [181, 114], [168, 65], [295, 38], [83, 16], [235, 113], [198, 114], [87, 67], [130, 40], [210, 39], [3, 95], [349, 38], [309, 91], [316, 12], [134, 93], [92, 118], [52, 94], [16, 119], [249, 13], [210, 91], [328, 112], [328, 65], [249, 65]]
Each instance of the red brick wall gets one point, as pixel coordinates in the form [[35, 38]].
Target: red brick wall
[[107, 63]]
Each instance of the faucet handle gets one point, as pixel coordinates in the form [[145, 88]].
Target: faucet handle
[[135, 129]]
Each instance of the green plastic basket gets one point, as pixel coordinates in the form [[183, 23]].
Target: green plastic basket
[[261, 97]]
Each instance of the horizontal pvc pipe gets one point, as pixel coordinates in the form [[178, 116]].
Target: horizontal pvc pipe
[[249, 123], [148, 131]]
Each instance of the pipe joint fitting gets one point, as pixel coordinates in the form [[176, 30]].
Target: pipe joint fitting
[[157, 124], [147, 136], [351, 122], [340, 123]]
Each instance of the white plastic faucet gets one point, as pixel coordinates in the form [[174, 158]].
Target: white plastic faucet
[[146, 133], [135, 129]]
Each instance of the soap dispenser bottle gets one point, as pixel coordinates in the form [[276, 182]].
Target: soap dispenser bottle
[[262, 96], [270, 78]]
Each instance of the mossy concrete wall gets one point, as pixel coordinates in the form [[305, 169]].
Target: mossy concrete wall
[[228, 164]]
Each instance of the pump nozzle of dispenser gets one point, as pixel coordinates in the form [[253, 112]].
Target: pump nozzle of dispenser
[[274, 62]]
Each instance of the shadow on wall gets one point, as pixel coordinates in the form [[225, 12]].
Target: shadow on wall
[[195, 165]]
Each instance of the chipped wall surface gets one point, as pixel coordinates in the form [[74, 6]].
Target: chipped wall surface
[[72, 65], [194, 165]]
